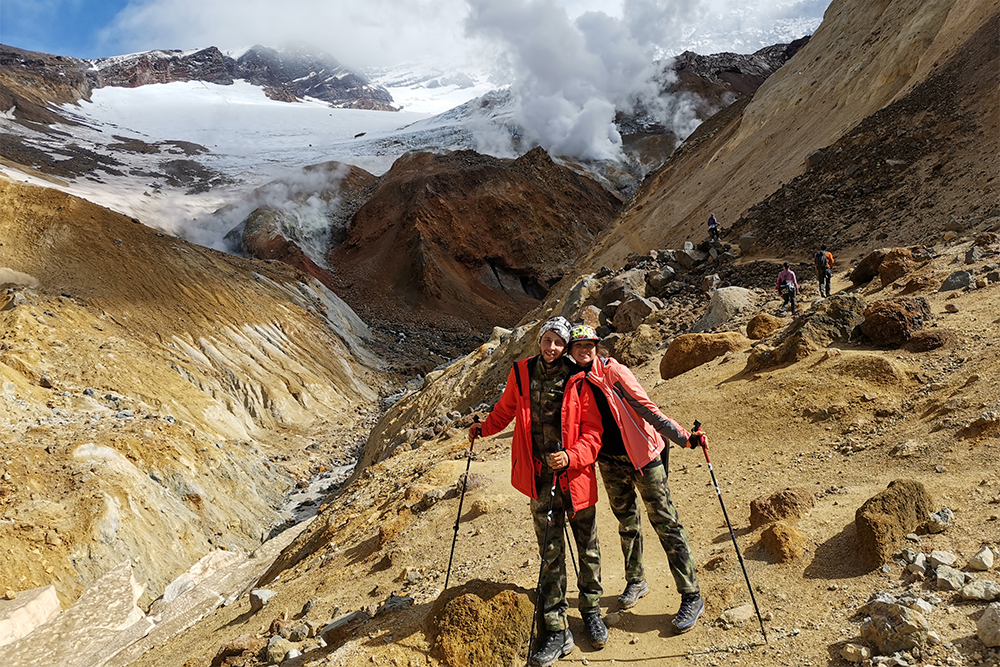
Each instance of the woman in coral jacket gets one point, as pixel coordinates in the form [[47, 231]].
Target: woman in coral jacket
[[633, 438], [557, 434]]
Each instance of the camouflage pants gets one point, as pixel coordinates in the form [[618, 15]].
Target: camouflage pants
[[553, 569], [622, 480]]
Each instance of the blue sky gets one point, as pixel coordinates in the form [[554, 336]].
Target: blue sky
[[367, 32], [63, 27]]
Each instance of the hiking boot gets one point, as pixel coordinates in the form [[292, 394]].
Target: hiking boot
[[557, 644], [597, 632], [633, 591], [691, 607]]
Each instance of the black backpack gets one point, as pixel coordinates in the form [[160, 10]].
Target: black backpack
[[821, 262]]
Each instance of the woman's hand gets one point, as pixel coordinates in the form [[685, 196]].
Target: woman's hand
[[558, 460], [475, 431]]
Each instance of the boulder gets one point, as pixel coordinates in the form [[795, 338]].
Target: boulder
[[885, 519], [692, 350], [746, 241], [783, 541], [763, 325], [724, 304], [982, 590], [635, 348], [957, 280], [832, 320], [580, 293], [897, 263], [689, 258], [791, 503], [631, 313], [988, 626], [591, 316], [892, 322], [660, 278], [892, 627], [926, 340], [483, 627], [621, 286], [867, 268]]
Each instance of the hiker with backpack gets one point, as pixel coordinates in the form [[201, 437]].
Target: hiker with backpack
[[824, 269], [713, 228], [634, 458], [788, 287], [557, 435]]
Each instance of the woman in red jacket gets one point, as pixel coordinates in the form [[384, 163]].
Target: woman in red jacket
[[557, 434], [634, 435]]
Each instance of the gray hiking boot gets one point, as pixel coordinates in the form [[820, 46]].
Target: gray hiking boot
[[597, 632], [557, 645], [633, 591], [691, 607]]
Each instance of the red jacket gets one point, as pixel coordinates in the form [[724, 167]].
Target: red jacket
[[581, 434], [644, 428]]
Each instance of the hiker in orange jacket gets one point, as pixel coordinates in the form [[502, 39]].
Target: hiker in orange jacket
[[633, 459], [557, 435], [824, 269]]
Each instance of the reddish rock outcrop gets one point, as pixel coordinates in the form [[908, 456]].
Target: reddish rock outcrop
[[467, 238], [786, 543], [892, 322]]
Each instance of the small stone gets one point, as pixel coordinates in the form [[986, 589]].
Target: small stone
[[949, 579], [938, 521], [982, 561], [298, 633], [855, 652], [9, 594], [941, 558], [278, 649], [952, 307], [613, 619], [981, 589], [259, 597], [739, 614], [988, 626]]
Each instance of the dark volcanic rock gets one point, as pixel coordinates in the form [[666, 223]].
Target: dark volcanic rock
[[892, 322], [314, 74], [885, 519], [139, 69]]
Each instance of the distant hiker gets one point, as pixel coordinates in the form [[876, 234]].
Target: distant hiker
[[557, 431], [713, 228], [635, 434], [788, 287], [824, 269]]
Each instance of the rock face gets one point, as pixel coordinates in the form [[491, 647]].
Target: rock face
[[482, 627], [467, 238], [287, 73], [892, 322], [692, 350], [791, 503], [18, 617], [886, 518], [139, 69]]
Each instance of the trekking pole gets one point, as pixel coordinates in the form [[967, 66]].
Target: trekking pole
[[541, 566], [465, 482], [718, 492], [569, 544]]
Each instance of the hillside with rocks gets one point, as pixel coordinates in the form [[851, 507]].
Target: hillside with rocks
[[170, 407]]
